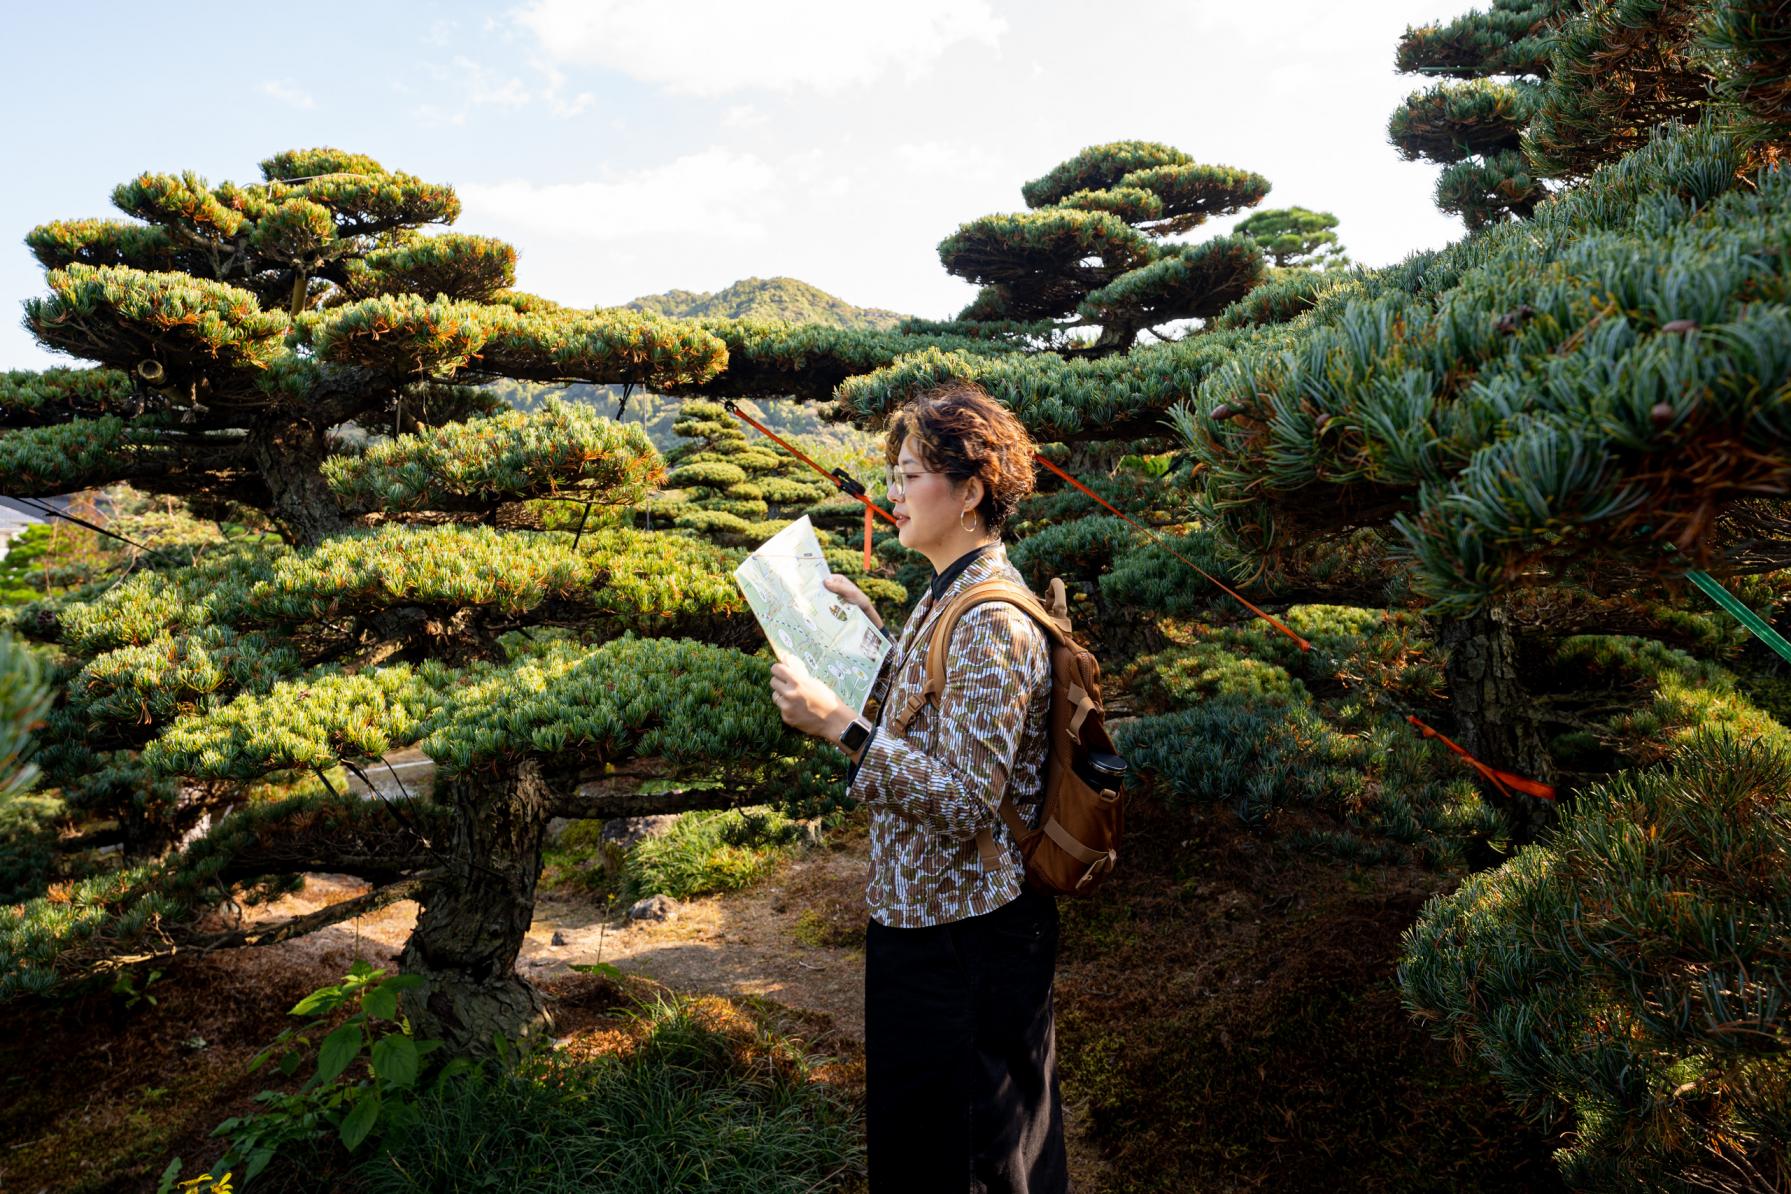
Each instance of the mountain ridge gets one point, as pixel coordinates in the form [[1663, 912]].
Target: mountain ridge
[[790, 300]]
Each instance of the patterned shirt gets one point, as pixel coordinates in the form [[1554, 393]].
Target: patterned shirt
[[931, 789]]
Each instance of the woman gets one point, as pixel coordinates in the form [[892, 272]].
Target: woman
[[960, 1065]]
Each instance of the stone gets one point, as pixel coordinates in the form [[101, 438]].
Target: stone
[[630, 831], [556, 828], [654, 907]]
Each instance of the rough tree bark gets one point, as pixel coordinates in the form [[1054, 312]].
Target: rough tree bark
[[1495, 719], [473, 920], [290, 457]]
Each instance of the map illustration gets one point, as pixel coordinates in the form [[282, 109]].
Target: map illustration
[[838, 644]]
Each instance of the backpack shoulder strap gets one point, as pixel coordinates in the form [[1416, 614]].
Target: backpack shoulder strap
[[1054, 620]]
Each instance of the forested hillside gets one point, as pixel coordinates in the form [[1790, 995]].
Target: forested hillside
[[786, 300]]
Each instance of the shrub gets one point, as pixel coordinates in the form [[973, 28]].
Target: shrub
[[1231, 722], [706, 1101], [708, 852], [1630, 971]]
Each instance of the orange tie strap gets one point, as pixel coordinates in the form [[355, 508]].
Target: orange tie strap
[[839, 476], [1503, 780], [1236, 596]]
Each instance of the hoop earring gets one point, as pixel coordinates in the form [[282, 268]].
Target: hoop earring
[[961, 518]]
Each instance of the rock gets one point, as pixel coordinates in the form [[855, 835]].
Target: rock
[[630, 831], [556, 828], [558, 938], [654, 907]]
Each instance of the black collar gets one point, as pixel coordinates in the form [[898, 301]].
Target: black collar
[[942, 581]]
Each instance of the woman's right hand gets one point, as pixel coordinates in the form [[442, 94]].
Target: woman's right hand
[[853, 595]]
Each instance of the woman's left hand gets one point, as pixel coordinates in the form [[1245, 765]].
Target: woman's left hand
[[806, 703]]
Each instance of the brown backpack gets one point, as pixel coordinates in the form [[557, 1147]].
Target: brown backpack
[[1076, 843]]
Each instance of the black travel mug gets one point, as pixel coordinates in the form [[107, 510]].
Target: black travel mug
[[1099, 769]]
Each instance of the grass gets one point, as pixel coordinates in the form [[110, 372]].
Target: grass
[[705, 1097], [649, 1091], [704, 853], [709, 852]]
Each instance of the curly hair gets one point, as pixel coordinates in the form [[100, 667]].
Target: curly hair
[[964, 433]]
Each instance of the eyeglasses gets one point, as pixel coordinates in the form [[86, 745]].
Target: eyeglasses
[[897, 485]]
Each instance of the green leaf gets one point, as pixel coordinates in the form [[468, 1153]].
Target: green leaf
[[395, 1060], [401, 1116], [339, 1048], [381, 1003], [601, 969], [166, 1185], [257, 1162], [323, 999], [290, 1061], [360, 1121]]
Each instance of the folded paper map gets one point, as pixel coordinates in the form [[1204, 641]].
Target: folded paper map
[[832, 638]]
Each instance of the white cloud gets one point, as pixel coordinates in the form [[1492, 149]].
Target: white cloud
[[710, 47], [286, 93], [564, 108], [553, 88], [713, 195], [485, 86], [476, 85], [952, 158], [743, 116]]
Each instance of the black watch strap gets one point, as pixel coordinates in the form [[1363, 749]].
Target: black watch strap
[[853, 736]]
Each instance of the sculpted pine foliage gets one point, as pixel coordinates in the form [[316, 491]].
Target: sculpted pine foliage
[[437, 571]]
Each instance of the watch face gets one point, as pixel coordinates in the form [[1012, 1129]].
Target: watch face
[[853, 736]]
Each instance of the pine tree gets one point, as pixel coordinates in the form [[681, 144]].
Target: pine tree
[[301, 355], [1528, 435], [1094, 247], [1551, 89], [1494, 61], [1295, 238]]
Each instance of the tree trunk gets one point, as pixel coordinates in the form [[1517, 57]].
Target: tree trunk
[[472, 923], [1495, 719], [290, 457]]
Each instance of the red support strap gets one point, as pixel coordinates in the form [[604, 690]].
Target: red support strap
[[870, 508], [1238, 597], [1503, 780]]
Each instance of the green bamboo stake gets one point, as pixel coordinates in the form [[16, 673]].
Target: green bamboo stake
[[1761, 629]]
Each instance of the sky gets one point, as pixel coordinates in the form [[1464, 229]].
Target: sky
[[627, 147]]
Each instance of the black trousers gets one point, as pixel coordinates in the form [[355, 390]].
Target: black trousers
[[961, 1054]]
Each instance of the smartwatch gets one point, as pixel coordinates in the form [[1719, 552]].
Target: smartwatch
[[854, 735]]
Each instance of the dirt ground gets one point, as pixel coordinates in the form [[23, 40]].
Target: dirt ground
[[1227, 1021], [796, 939], [153, 1079]]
